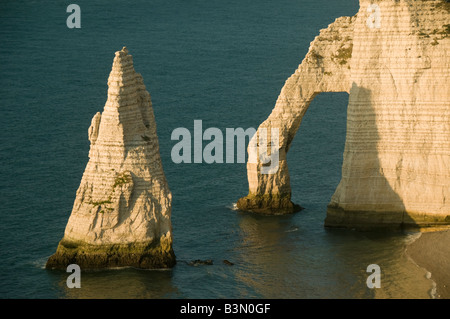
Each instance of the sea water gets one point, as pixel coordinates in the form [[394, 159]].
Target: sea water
[[222, 62]]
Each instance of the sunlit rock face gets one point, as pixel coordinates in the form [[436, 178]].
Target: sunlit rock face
[[393, 61], [122, 211]]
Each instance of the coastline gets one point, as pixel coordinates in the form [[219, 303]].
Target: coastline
[[432, 252]]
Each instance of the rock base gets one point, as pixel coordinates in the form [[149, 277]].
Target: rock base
[[270, 204], [153, 255], [337, 217]]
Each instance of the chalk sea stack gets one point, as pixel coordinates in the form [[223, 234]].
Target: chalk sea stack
[[392, 58], [122, 212]]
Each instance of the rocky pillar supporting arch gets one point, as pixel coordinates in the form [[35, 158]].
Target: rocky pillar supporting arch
[[396, 168], [326, 68]]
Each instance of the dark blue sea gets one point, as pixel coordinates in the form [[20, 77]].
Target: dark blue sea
[[222, 62]]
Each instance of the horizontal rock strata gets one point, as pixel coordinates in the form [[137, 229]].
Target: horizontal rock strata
[[396, 169], [121, 214]]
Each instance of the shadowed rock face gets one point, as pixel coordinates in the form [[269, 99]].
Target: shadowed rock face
[[397, 153], [121, 215]]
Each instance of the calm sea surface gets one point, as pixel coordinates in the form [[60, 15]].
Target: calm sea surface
[[223, 62]]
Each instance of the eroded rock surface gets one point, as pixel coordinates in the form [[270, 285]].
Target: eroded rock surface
[[396, 169], [122, 211]]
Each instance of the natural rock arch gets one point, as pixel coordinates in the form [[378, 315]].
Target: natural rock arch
[[397, 153], [324, 69]]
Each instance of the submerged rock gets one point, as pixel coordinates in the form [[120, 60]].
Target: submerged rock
[[228, 263], [122, 212], [199, 262]]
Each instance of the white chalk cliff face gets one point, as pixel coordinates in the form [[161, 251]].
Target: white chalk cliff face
[[396, 169], [121, 215]]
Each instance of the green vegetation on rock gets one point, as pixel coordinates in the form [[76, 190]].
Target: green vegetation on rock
[[121, 179], [343, 54], [272, 204], [147, 255], [103, 202]]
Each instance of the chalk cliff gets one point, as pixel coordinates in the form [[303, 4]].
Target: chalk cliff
[[121, 215], [393, 60]]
